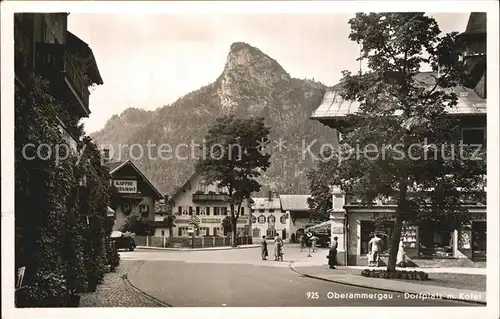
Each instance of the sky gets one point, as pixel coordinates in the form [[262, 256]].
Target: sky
[[148, 61]]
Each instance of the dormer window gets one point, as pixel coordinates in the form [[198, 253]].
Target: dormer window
[[473, 136]]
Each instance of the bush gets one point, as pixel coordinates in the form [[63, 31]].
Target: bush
[[398, 274], [47, 289], [112, 256]]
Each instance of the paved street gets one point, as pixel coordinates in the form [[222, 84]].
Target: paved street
[[235, 278]]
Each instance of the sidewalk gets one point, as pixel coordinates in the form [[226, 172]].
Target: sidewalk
[[316, 267], [201, 249]]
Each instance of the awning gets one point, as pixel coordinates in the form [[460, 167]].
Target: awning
[[323, 227]]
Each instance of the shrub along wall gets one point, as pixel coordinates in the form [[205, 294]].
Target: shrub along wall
[[60, 234]]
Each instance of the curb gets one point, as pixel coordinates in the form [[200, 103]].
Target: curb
[[139, 291], [371, 287], [194, 249]]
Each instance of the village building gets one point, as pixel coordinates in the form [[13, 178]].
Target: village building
[[267, 217], [44, 46], [353, 223], [137, 194], [207, 205], [297, 215]]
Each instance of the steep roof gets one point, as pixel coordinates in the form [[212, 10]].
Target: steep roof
[[116, 166], [334, 106], [265, 203], [294, 202], [476, 23]]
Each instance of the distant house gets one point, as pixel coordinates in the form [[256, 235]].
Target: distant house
[[137, 194], [297, 214], [267, 217], [209, 204]]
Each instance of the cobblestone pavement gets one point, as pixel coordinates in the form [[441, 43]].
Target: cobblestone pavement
[[115, 292]]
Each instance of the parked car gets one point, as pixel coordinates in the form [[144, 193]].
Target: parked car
[[123, 240]]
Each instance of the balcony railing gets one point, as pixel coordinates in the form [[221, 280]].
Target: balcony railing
[[211, 197], [53, 59]]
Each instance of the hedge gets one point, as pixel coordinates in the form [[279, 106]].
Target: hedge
[[60, 227], [398, 274]]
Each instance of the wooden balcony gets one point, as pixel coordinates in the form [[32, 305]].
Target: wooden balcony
[[211, 197], [55, 62]]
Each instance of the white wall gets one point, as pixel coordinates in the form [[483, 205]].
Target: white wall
[[185, 200]]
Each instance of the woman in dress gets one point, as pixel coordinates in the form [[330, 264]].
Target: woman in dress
[[263, 248], [278, 246]]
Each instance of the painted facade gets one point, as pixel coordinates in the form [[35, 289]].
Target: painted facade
[[137, 194], [210, 205], [267, 217]]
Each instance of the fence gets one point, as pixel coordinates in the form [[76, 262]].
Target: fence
[[187, 242]]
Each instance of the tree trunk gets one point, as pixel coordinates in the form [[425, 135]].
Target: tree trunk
[[398, 225], [233, 226]]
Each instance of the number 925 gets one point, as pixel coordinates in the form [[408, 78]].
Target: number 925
[[312, 295]]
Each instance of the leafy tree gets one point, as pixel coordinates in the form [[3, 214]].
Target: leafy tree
[[226, 225], [233, 157], [170, 224], [379, 155]]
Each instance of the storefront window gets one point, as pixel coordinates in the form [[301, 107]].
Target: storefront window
[[435, 242], [367, 232], [204, 231], [478, 239]]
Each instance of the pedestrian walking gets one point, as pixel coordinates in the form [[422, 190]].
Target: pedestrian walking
[[302, 241], [401, 257], [332, 254], [375, 246], [314, 240], [263, 248], [278, 248]]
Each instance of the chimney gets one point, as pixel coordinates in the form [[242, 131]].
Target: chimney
[[105, 156], [270, 195]]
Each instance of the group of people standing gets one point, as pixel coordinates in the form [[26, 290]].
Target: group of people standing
[[278, 248]]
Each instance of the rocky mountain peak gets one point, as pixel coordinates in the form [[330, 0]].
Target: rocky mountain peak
[[249, 69]]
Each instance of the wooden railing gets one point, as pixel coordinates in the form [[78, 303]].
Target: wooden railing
[[211, 197], [51, 58]]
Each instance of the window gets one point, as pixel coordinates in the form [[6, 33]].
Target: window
[[190, 210], [208, 210], [216, 210], [254, 219], [184, 211], [144, 210], [179, 210], [242, 211], [197, 210], [283, 219], [202, 187], [271, 211], [162, 233], [479, 239], [216, 231], [262, 211], [256, 232], [204, 231], [473, 136], [367, 231], [271, 232], [271, 219], [224, 211], [183, 231], [262, 219], [126, 208]]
